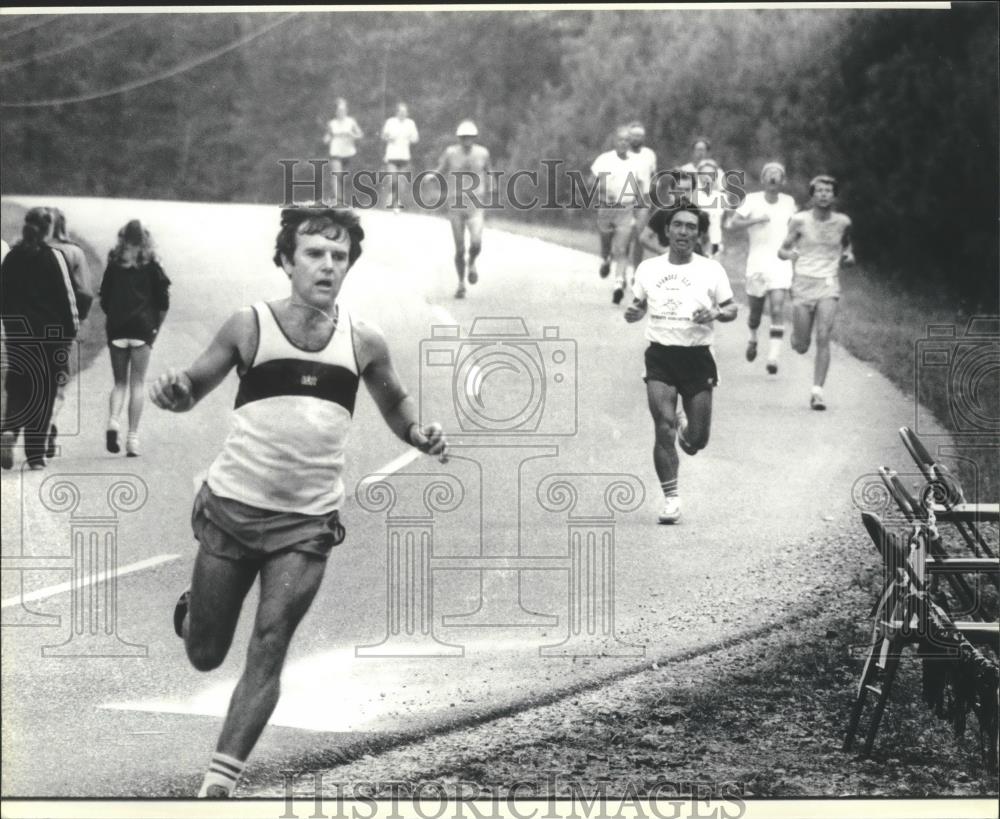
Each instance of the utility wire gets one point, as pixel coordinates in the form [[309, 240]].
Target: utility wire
[[41, 55], [173, 72]]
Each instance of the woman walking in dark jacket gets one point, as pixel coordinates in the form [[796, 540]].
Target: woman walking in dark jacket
[[135, 297], [42, 309]]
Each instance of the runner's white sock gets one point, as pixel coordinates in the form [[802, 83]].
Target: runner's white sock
[[817, 391], [753, 333], [223, 771], [669, 488], [774, 346]]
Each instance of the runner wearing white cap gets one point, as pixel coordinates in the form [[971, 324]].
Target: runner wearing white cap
[[459, 165]]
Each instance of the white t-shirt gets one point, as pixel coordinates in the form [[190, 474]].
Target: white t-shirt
[[765, 238], [619, 184], [674, 292], [399, 135], [643, 166]]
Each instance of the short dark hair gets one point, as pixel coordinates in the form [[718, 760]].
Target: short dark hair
[[683, 206], [313, 219], [824, 179]]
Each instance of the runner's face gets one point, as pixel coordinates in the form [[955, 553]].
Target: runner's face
[[773, 182], [318, 268], [683, 233], [823, 194], [700, 151], [621, 143], [635, 139]]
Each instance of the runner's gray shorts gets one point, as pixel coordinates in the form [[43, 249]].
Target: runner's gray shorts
[[232, 530], [809, 291]]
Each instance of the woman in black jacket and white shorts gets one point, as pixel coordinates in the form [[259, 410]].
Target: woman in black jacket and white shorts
[[135, 297]]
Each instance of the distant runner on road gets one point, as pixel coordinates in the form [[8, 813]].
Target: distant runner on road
[[399, 134], [818, 241], [644, 167], [683, 294], [270, 504], [618, 192], [765, 215], [465, 168]]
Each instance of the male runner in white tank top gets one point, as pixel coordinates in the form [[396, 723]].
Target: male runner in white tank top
[[271, 500], [818, 242]]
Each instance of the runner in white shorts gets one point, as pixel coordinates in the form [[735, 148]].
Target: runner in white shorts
[[765, 214], [818, 242], [618, 192]]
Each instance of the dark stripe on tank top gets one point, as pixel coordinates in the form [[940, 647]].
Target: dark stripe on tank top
[[293, 376]]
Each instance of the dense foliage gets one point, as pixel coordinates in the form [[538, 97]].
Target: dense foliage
[[900, 105]]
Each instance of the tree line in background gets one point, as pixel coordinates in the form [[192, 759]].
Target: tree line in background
[[900, 105]]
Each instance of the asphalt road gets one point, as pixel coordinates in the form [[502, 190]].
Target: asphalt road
[[529, 555]]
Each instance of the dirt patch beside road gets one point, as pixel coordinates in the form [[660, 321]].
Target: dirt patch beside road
[[761, 718]]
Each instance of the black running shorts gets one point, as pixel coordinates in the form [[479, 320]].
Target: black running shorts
[[690, 370]]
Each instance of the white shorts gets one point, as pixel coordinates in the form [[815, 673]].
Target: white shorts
[[125, 343], [758, 284]]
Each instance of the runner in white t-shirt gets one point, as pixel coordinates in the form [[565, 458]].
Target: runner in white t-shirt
[[818, 242], [399, 133], [765, 215], [644, 166], [683, 293], [618, 193]]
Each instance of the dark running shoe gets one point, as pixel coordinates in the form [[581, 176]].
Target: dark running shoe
[[180, 612], [751, 350], [111, 441], [817, 402], [772, 367], [605, 268], [50, 447], [618, 295]]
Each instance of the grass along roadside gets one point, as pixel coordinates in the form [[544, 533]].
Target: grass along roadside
[[882, 323]]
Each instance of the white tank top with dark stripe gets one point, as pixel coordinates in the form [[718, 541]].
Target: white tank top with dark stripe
[[285, 450]]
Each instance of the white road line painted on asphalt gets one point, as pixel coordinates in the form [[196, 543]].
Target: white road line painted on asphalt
[[88, 581], [394, 465]]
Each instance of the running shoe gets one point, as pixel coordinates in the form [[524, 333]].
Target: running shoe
[[618, 295], [772, 367], [816, 402], [605, 268], [671, 511], [132, 445], [751, 350], [50, 446], [473, 275], [216, 792], [180, 612], [36, 463], [460, 293], [111, 441]]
